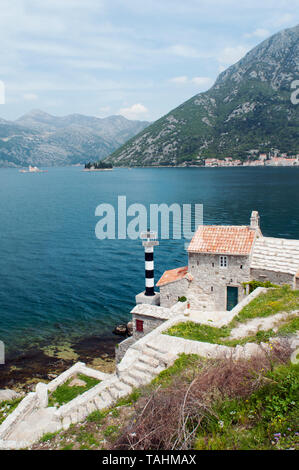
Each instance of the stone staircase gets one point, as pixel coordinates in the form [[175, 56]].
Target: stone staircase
[[145, 365], [148, 364]]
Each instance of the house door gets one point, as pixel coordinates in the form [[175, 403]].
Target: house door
[[232, 297]]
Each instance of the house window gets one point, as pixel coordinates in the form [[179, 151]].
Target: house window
[[241, 267], [212, 289], [213, 264], [223, 262], [139, 326]]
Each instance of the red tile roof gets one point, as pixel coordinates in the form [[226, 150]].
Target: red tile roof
[[172, 275], [230, 240]]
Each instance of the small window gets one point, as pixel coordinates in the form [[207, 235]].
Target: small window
[[213, 264], [241, 267], [139, 326], [223, 262], [212, 289]]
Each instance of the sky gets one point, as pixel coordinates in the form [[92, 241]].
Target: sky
[[136, 58]]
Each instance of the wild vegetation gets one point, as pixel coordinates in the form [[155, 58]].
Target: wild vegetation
[[199, 404]]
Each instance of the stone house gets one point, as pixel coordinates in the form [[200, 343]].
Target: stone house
[[222, 259]]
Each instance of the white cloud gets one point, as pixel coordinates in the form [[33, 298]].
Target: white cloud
[[136, 111], [30, 97], [184, 51], [92, 64], [179, 80], [202, 81], [198, 82], [231, 55], [258, 33]]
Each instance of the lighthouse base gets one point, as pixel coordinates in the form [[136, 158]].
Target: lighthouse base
[[145, 299]]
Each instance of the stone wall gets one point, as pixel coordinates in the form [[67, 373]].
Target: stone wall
[[149, 324], [121, 348], [170, 292], [272, 276], [214, 279]]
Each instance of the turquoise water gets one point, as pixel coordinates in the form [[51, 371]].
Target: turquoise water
[[57, 280]]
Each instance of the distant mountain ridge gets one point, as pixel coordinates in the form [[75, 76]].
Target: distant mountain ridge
[[38, 138], [249, 107]]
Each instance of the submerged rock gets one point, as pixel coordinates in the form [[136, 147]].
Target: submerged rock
[[120, 330], [124, 329]]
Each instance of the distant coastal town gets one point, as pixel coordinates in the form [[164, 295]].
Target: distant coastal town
[[254, 159]]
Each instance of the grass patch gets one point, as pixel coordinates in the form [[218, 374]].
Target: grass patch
[[68, 447], [283, 299], [64, 393], [97, 416], [7, 407], [49, 436], [198, 332], [183, 363], [213, 335], [289, 327], [110, 431], [128, 400], [87, 440]]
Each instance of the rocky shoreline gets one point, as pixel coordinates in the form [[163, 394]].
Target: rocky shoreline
[[23, 371]]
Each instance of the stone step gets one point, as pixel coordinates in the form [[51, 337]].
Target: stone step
[[141, 377], [113, 392], [91, 407], [35, 426], [83, 411], [66, 422], [106, 397], [128, 380], [161, 359], [146, 368], [158, 356], [100, 403], [156, 348], [122, 387], [149, 360]]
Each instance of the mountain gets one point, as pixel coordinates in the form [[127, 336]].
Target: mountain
[[249, 107], [38, 138]]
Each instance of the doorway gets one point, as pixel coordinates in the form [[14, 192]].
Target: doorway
[[231, 297]]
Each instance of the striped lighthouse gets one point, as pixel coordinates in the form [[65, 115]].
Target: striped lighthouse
[[150, 240]]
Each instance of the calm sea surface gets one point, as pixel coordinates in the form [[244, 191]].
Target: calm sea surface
[[57, 280]]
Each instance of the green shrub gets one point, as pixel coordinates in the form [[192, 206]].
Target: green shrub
[[255, 284]]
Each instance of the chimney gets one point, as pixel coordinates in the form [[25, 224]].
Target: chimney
[[255, 220]]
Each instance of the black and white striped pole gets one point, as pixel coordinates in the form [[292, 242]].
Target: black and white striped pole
[[149, 242]]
